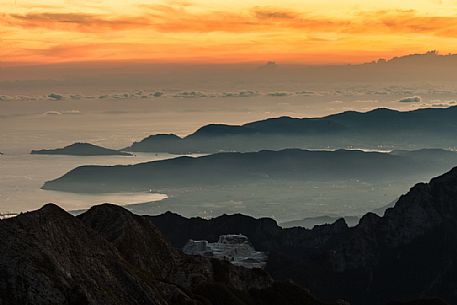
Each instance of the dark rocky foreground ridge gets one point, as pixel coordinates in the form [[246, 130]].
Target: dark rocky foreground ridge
[[111, 256], [81, 149], [410, 252]]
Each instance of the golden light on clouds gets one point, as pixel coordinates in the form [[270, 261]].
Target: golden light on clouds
[[324, 31]]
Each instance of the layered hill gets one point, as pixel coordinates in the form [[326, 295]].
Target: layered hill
[[81, 149], [110, 256], [411, 251], [376, 129], [264, 166], [310, 222]]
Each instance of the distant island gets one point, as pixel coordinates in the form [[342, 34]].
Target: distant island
[[81, 149], [379, 129]]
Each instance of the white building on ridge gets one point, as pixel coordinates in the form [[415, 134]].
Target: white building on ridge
[[234, 248]]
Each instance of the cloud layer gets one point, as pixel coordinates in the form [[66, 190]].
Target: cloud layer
[[167, 19], [354, 94], [412, 99], [184, 31]]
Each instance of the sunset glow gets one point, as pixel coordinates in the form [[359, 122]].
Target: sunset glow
[[291, 31]]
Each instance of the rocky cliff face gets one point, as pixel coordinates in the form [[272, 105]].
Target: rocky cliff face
[[110, 256], [50, 257], [142, 245], [409, 252]]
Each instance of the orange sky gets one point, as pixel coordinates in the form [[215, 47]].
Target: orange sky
[[212, 31]]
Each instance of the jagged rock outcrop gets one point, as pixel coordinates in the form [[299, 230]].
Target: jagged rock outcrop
[[142, 245], [110, 256], [49, 257], [410, 252]]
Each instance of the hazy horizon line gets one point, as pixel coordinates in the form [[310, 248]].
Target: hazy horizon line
[[212, 63]]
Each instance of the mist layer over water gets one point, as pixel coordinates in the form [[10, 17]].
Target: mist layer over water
[[27, 125], [22, 176]]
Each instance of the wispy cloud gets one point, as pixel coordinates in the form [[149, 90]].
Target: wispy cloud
[[177, 19], [412, 99], [179, 30], [79, 22]]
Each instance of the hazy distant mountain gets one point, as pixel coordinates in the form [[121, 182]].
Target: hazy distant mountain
[[81, 149], [310, 222], [101, 75], [429, 58], [380, 211], [264, 166], [376, 129], [110, 256], [411, 251], [351, 221]]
